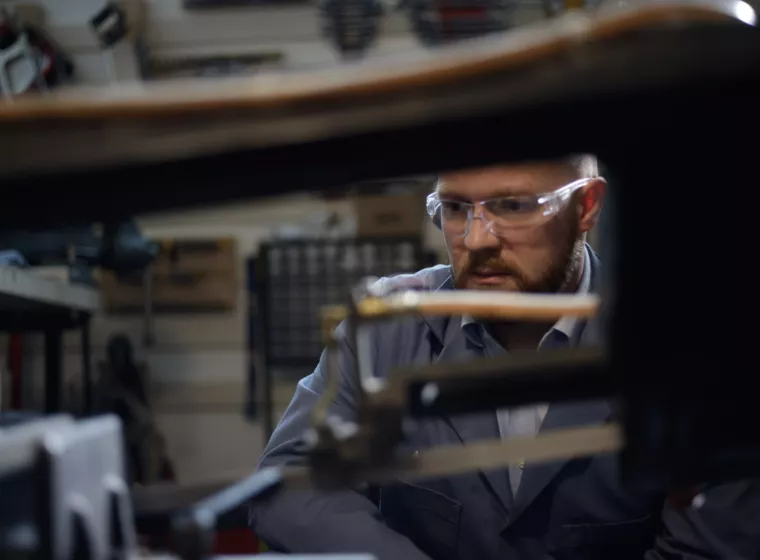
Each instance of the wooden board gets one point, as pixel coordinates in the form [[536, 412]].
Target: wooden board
[[403, 114]]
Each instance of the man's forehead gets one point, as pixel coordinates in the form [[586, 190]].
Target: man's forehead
[[508, 179]]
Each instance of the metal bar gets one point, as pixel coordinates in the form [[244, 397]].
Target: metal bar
[[490, 383], [258, 486], [504, 305], [560, 444], [156, 504], [263, 343], [449, 460], [497, 305], [149, 335], [490, 305], [87, 388], [53, 370]]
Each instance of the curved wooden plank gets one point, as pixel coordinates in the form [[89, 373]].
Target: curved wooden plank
[[540, 89], [145, 122], [390, 75]]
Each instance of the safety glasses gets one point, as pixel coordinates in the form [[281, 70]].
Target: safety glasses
[[502, 214]]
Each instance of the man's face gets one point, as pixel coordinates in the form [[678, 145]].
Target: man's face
[[542, 258]]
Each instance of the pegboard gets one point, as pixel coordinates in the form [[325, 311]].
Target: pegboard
[[295, 279]]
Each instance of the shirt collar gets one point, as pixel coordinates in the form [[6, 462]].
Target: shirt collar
[[567, 326]]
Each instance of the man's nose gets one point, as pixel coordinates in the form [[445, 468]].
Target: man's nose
[[479, 237]]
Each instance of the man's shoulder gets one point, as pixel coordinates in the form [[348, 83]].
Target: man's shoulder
[[402, 341], [427, 279]]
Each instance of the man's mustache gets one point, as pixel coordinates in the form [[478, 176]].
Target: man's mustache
[[492, 265], [489, 264]]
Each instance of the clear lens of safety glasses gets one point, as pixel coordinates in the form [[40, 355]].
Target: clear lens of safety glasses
[[500, 215]]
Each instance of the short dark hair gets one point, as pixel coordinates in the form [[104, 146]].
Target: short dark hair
[[586, 165]]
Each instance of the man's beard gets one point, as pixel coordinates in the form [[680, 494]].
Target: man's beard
[[558, 277]]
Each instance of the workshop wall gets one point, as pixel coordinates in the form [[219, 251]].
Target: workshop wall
[[294, 30], [169, 32], [68, 23], [198, 367]]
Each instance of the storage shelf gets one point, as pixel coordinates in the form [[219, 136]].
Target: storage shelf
[[28, 298]]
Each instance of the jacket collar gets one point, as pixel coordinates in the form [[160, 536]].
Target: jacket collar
[[444, 280], [473, 427]]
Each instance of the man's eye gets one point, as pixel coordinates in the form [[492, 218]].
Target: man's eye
[[513, 206], [453, 207]]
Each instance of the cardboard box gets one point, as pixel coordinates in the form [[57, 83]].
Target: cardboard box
[[199, 255], [187, 277], [397, 215]]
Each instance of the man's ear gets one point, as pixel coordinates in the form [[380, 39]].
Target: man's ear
[[591, 201]]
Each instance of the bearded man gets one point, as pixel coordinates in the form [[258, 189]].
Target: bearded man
[[517, 228]]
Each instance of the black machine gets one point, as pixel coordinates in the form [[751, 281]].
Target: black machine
[[667, 107]]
